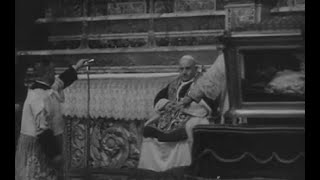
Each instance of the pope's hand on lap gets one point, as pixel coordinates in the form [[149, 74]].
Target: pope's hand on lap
[[186, 101]]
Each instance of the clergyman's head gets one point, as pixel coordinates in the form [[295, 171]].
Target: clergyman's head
[[44, 71], [187, 67]]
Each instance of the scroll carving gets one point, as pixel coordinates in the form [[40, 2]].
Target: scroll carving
[[114, 145], [78, 143]]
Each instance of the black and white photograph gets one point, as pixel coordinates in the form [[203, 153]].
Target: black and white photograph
[[159, 90]]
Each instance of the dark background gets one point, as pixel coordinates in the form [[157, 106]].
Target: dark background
[[27, 34]]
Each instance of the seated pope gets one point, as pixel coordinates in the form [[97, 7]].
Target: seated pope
[[167, 137]]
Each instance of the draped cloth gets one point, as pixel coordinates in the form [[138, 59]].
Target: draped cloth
[[161, 156], [31, 162], [213, 84], [116, 96]]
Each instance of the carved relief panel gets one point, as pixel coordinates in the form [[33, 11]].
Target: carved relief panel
[[290, 3], [240, 15], [191, 5], [113, 144], [164, 6], [77, 143], [98, 7], [64, 8], [126, 7]]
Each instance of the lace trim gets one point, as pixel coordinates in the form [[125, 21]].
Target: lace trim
[[128, 98]]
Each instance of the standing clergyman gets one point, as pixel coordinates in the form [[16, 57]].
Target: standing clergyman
[[39, 148]]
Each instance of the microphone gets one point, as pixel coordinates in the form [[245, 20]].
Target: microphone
[[88, 62]]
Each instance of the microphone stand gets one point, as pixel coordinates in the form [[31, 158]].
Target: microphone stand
[[88, 80], [88, 122]]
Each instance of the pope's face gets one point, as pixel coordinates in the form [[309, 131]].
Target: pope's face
[[187, 69]]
